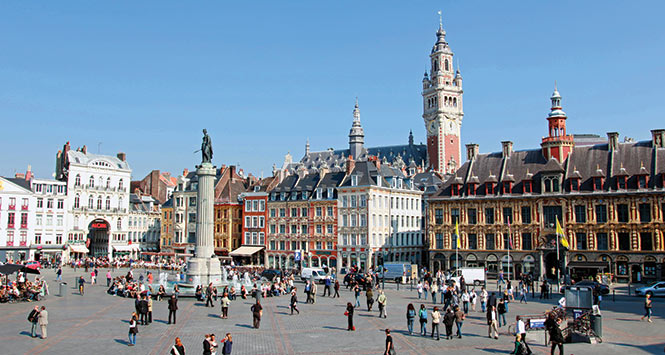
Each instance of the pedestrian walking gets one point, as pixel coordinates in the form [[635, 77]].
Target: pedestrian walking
[[465, 301], [501, 308], [178, 348], [257, 312], [459, 321], [81, 283], [474, 299], [349, 316], [225, 305], [520, 328], [382, 299], [227, 344], [143, 311], [43, 321], [326, 289], [647, 308], [370, 299], [149, 299], [133, 329], [434, 289], [556, 336], [410, 317], [33, 318], [294, 302], [436, 320], [523, 292], [58, 274], [173, 307], [422, 317], [213, 345], [492, 322], [93, 277], [356, 291], [390, 346], [209, 293], [109, 278], [448, 321], [336, 288], [419, 288]]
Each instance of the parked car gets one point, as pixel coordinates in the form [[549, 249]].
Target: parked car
[[36, 265], [394, 271], [655, 289], [270, 274], [313, 273], [472, 275], [604, 289]]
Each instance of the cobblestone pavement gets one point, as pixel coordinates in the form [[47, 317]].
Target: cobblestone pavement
[[97, 322]]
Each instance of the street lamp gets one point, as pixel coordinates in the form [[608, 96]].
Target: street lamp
[[383, 270]]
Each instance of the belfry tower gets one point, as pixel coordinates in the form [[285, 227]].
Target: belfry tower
[[442, 107]]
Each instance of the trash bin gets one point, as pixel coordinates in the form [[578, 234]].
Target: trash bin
[[63, 289], [597, 324]]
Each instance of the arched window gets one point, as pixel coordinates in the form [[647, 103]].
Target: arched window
[[77, 181], [108, 182], [119, 224], [91, 202], [101, 181], [92, 181], [77, 201], [120, 184], [99, 202], [446, 64], [436, 65], [120, 202], [108, 203], [455, 102]]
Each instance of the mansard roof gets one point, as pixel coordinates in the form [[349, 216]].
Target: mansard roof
[[631, 159]]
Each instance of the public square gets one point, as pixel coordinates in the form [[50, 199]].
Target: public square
[[98, 322]]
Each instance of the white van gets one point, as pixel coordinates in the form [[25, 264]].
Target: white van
[[313, 273], [472, 275]]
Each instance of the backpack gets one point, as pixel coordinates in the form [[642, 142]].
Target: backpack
[[423, 315]]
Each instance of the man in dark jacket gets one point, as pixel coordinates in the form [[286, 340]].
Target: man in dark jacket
[[207, 346], [209, 293], [173, 307], [33, 317], [257, 311], [143, 310]]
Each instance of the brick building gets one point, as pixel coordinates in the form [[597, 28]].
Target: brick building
[[609, 198], [156, 184]]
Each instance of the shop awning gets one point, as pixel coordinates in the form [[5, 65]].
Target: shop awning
[[78, 248], [246, 251], [132, 247]]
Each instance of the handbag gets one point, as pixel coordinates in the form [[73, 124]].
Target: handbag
[[346, 313]]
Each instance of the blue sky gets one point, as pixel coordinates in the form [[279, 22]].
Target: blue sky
[[262, 77]]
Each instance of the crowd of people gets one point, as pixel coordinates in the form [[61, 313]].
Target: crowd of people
[[21, 289]]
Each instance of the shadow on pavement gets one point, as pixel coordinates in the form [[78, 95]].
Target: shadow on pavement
[[244, 326]]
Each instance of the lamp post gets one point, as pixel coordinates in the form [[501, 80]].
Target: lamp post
[[383, 270]]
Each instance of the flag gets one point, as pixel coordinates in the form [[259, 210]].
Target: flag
[[560, 235], [458, 244]]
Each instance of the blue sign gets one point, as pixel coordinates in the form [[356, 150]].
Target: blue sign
[[297, 256], [538, 323]]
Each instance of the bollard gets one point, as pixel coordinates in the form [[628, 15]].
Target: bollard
[[398, 285], [628, 289], [613, 300]]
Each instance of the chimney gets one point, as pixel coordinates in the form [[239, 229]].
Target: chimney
[[471, 151], [122, 156], [507, 148], [84, 150], [612, 141], [378, 163], [185, 171], [350, 165], [19, 176], [28, 174], [232, 170], [658, 138]]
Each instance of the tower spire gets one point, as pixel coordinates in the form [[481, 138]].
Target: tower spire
[[356, 135], [440, 20], [307, 147]]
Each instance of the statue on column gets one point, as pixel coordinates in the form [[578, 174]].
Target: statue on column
[[206, 148]]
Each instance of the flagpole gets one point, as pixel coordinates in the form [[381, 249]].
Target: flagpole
[[558, 262], [509, 242]]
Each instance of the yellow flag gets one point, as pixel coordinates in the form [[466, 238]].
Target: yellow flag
[[459, 245], [560, 234]]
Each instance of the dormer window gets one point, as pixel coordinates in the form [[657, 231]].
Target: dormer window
[[319, 193], [621, 182], [455, 191], [471, 188], [597, 183], [304, 195], [551, 184], [642, 182], [354, 180], [489, 188], [574, 184], [331, 192], [507, 187], [282, 196], [528, 186], [294, 196]]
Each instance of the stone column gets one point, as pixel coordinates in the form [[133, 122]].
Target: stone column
[[204, 267]]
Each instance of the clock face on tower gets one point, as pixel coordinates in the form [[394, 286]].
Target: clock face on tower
[[432, 127]]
